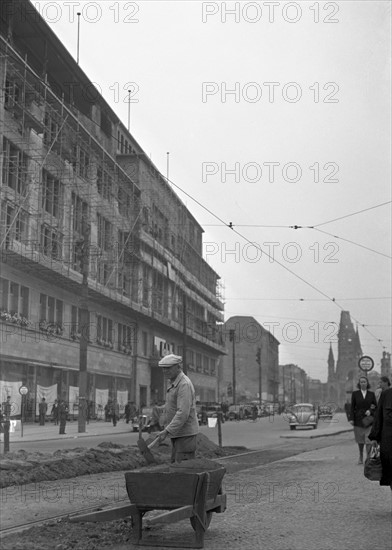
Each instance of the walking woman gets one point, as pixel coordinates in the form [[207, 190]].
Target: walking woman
[[363, 405]]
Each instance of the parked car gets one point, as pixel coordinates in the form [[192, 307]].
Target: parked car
[[236, 412], [240, 412], [145, 420], [303, 415], [325, 411]]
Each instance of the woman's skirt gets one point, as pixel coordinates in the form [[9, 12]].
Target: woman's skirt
[[361, 434]]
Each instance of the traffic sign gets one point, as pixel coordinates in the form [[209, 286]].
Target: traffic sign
[[23, 390], [366, 363]]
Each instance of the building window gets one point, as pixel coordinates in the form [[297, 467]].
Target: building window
[[50, 309], [212, 367], [104, 233], [51, 194], [17, 223], [106, 125], [124, 201], [51, 242], [79, 213], [104, 272], [145, 343], [14, 298], [104, 184], [14, 167], [198, 362], [51, 130], [104, 331], [124, 337], [81, 163], [13, 93], [206, 365], [191, 358]]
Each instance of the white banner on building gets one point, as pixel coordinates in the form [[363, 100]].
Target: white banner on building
[[50, 394], [101, 398], [73, 397], [12, 389], [122, 398]]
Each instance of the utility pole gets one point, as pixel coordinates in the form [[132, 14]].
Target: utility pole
[[232, 339], [184, 363], [84, 329]]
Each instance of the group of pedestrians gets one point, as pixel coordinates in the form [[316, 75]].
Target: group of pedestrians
[[371, 416], [59, 413]]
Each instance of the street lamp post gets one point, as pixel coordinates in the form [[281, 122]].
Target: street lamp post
[[258, 361]]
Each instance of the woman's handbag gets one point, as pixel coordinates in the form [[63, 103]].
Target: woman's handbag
[[367, 421], [373, 469]]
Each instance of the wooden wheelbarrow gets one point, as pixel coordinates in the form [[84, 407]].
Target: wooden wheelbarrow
[[179, 492]]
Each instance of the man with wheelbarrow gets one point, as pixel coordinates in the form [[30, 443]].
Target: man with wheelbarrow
[[180, 415]]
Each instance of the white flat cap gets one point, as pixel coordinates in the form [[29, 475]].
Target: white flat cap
[[170, 360]]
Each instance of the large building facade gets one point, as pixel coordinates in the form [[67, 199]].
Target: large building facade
[[252, 356], [73, 179]]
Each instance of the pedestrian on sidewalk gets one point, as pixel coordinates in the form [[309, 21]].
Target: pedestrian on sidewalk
[[130, 411], [381, 433], [114, 412], [42, 410], [181, 423], [63, 414], [55, 412], [363, 404]]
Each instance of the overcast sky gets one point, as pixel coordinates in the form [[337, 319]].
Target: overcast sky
[[274, 116]]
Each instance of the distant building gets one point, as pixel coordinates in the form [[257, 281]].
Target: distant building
[[342, 380], [317, 391], [256, 351], [293, 384]]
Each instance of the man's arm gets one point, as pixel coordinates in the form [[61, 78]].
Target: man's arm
[[184, 401]]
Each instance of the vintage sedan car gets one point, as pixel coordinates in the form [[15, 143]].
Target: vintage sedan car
[[325, 411], [303, 415], [144, 419]]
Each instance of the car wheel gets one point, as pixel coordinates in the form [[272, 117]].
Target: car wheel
[[314, 427], [292, 427]]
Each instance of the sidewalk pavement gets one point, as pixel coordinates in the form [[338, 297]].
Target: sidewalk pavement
[[35, 432], [318, 500]]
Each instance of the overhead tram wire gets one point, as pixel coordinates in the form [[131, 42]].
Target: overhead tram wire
[[232, 227], [352, 242], [354, 213]]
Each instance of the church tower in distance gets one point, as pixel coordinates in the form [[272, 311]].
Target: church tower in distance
[[342, 382]]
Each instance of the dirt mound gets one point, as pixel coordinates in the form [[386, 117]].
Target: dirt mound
[[21, 467]]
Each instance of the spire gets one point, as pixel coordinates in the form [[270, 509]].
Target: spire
[[331, 363]]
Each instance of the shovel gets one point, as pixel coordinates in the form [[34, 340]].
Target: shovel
[[145, 449]]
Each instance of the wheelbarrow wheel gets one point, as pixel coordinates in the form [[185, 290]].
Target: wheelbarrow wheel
[[208, 520]]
